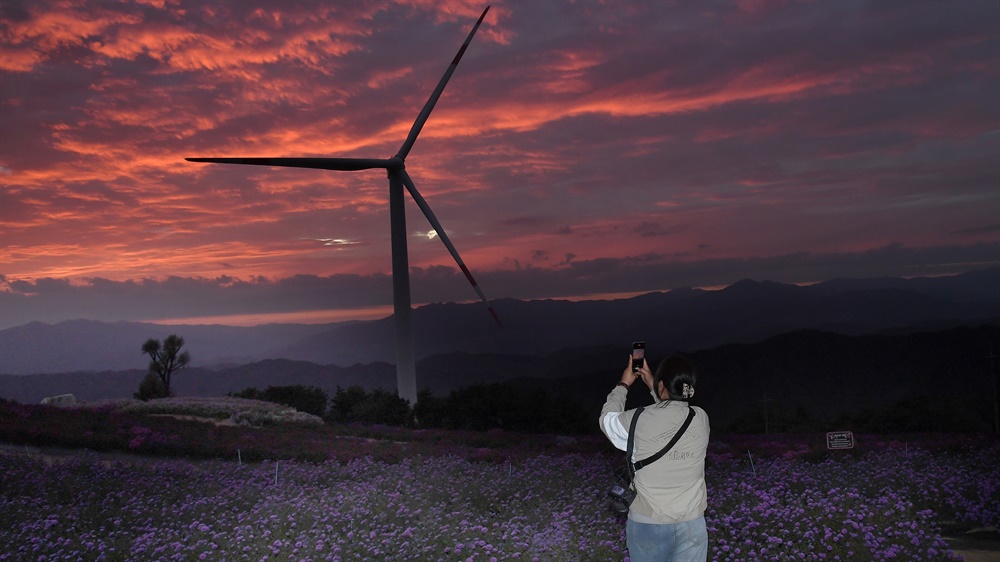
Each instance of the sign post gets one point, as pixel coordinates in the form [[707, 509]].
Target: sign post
[[840, 440]]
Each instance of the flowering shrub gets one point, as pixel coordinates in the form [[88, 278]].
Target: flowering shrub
[[376, 492], [545, 508], [880, 506]]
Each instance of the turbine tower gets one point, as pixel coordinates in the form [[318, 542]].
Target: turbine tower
[[406, 378]]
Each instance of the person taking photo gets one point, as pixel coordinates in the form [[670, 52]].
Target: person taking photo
[[666, 520]]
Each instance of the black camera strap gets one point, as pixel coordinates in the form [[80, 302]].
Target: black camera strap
[[639, 464], [631, 443]]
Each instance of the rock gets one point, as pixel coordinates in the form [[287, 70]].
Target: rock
[[61, 400]]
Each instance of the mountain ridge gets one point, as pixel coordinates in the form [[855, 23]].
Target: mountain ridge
[[684, 319], [826, 374]]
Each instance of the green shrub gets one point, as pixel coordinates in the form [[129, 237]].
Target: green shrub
[[152, 388], [308, 399]]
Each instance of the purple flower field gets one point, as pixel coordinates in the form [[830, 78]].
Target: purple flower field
[[881, 505]]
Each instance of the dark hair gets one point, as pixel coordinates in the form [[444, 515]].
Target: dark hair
[[675, 371]]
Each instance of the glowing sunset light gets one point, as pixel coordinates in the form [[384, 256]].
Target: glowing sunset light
[[303, 317], [591, 149]]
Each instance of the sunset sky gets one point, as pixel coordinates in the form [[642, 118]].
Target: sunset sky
[[581, 150]]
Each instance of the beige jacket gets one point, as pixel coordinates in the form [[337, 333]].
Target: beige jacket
[[672, 489]]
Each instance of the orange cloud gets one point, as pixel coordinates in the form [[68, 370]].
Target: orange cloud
[[556, 123]]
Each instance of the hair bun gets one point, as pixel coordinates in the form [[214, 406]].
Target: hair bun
[[678, 375]]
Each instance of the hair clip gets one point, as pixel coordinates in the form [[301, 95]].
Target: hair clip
[[687, 391]]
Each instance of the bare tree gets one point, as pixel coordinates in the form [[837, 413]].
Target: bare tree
[[166, 358]]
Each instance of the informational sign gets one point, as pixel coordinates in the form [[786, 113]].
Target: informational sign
[[840, 440]]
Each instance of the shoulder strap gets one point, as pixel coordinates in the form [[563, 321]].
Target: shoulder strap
[[631, 440], [663, 451]]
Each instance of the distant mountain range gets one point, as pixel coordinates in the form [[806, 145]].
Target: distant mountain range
[[846, 342], [681, 319], [825, 374]]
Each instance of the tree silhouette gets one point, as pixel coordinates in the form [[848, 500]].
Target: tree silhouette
[[166, 359]]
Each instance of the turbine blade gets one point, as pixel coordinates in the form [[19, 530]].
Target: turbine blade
[[426, 111], [447, 242], [340, 164]]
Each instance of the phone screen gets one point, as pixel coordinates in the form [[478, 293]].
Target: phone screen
[[638, 354]]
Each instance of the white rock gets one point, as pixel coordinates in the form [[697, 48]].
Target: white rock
[[61, 400]]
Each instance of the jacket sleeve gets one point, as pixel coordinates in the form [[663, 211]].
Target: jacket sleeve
[[612, 418]]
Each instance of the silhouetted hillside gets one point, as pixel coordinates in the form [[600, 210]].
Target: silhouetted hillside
[[88, 345], [194, 381], [827, 375], [806, 379], [682, 319]]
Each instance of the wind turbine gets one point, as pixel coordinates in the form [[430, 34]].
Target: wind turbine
[[406, 379]]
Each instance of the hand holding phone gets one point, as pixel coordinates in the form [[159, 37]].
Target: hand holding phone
[[638, 355]]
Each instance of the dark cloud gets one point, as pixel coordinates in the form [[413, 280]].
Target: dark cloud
[[976, 230]]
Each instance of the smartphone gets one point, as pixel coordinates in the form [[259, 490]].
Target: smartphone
[[638, 355]]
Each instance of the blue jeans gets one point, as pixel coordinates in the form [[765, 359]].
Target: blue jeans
[[668, 542]]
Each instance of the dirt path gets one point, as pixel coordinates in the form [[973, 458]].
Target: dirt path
[[973, 544]]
